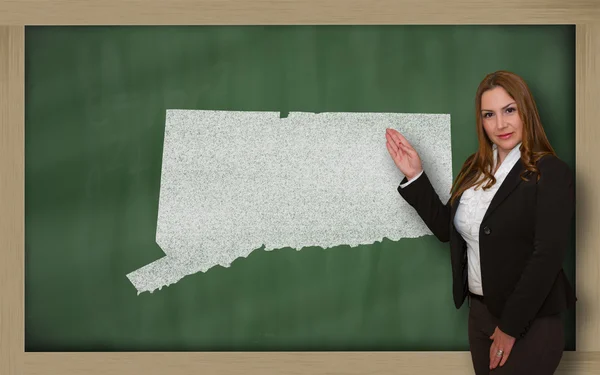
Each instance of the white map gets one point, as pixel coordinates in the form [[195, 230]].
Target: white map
[[233, 181]]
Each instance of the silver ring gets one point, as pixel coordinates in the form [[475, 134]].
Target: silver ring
[[499, 353]]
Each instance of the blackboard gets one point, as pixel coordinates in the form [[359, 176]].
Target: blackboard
[[95, 113]]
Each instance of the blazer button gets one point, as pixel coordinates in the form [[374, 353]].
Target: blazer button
[[486, 230]]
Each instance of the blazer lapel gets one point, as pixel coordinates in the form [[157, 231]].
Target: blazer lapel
[[512, 180]]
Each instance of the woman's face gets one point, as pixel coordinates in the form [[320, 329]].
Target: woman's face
[[501, 120]]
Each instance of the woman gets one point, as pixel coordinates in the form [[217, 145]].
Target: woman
[[507, 222]]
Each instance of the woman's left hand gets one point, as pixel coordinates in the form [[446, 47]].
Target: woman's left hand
[[503, 342]]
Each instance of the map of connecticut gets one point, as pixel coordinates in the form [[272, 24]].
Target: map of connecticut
[[235, 181]]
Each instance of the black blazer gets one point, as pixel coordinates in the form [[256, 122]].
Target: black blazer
[[523, 239]]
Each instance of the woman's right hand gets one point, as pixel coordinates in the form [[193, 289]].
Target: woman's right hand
[[404, 155]]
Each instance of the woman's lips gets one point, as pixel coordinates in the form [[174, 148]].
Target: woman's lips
[[504, 136]]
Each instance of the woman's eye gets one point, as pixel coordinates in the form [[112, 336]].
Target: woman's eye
[[510, 110], [487, 115]]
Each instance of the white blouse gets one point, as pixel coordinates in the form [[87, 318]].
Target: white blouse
[[469, 214]]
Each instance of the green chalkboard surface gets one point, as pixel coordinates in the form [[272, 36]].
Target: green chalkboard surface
[[95, 117]]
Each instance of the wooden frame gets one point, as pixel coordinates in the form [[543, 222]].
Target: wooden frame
[[14, 15]]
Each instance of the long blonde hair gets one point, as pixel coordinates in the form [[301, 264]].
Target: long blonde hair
[[534, 146]]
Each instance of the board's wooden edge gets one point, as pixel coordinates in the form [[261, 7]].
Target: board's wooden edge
[[348, 363], [12, 166], [225, 12], [588, 180]]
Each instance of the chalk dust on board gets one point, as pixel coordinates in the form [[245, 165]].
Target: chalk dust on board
[[233, 181]]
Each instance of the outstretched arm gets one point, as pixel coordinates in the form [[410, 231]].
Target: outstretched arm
[[421, 195], [416, 188]]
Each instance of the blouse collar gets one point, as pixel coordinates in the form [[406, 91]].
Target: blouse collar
[[513, 156]]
